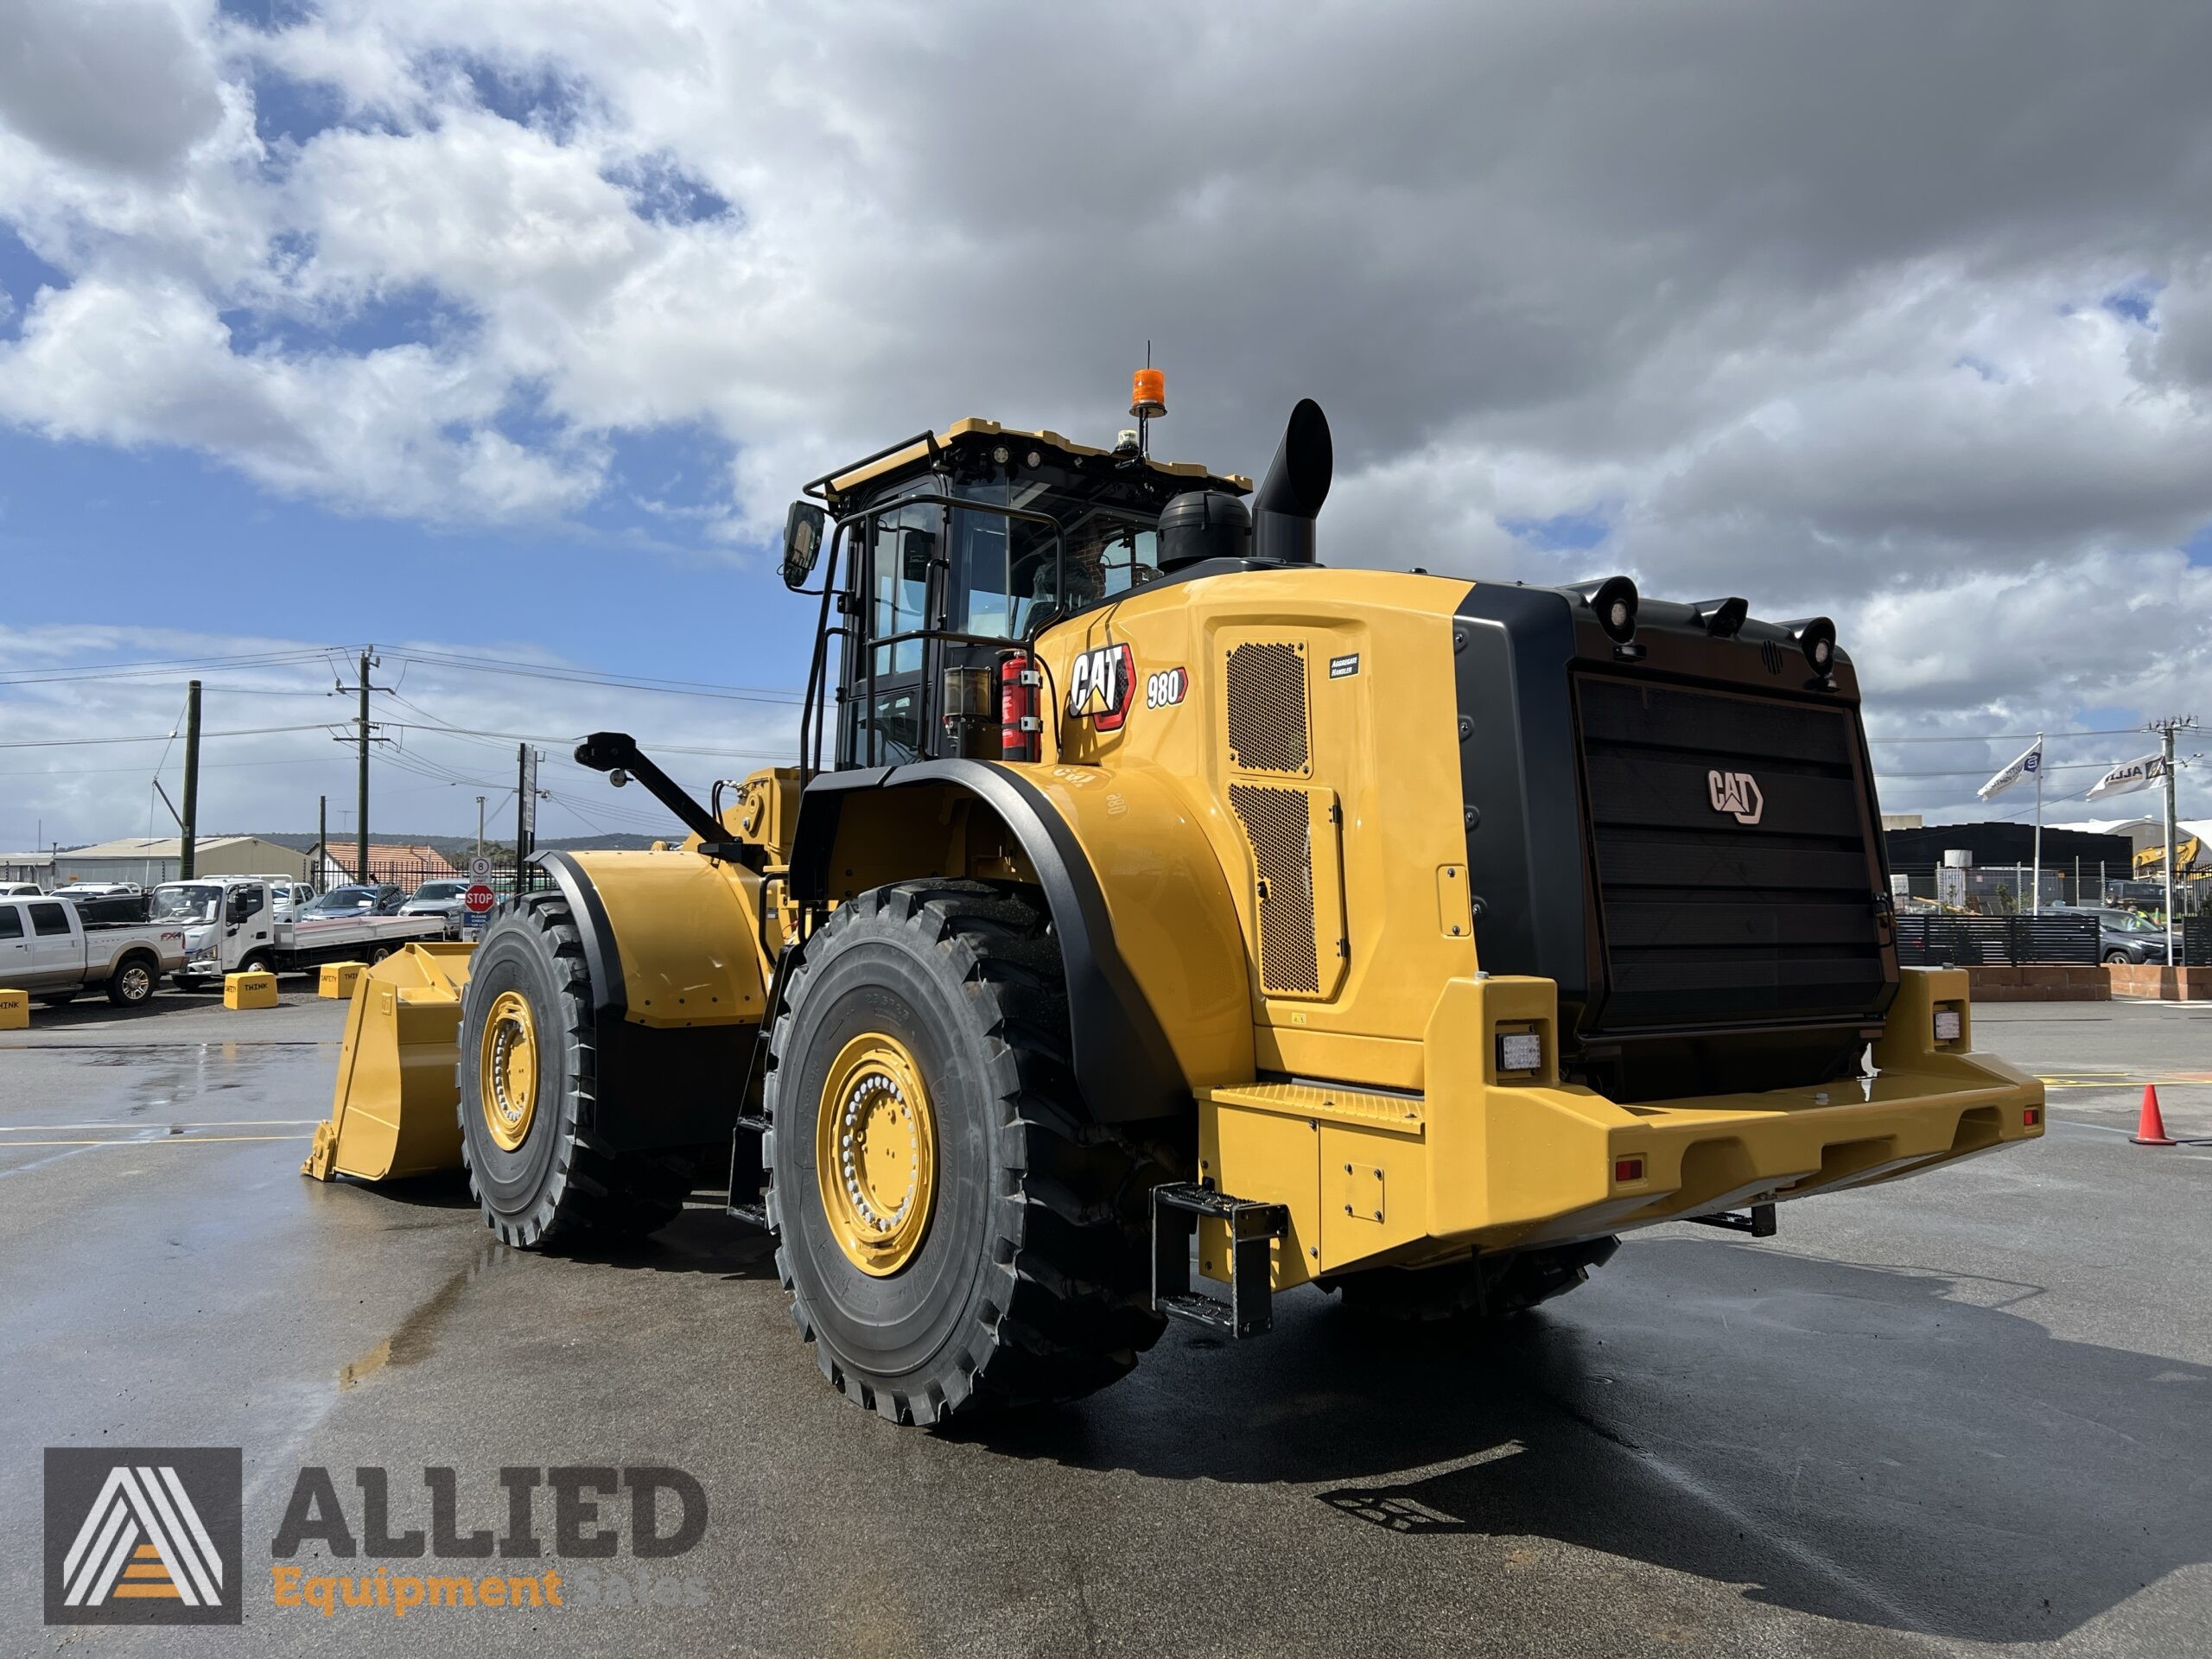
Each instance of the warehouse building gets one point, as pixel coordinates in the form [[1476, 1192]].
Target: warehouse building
[[149, 859]]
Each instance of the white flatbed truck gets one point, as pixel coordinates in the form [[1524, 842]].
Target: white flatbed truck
[[232, 924]]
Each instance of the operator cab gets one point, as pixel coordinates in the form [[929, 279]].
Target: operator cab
[[949, 549]]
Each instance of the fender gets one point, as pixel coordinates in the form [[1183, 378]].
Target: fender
[[1126, 1063], [666, 1076]]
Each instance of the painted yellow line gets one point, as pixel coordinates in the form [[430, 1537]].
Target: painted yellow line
[[161, 1140], [218, 1123]]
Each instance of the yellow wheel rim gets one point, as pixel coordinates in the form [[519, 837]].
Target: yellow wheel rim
[[876, 1154], [507, 1075]]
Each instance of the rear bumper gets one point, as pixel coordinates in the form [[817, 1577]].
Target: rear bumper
[[1490, 1162]]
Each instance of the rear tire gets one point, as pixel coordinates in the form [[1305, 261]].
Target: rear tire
[[1022, 1274], [1484, 1289], [131, 985], [527, 1029]]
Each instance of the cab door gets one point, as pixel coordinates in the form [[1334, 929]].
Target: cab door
[[15, 948], [57, 951], [249, 921]]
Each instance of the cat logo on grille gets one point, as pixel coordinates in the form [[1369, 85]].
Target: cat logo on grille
[[1736, 793], [142, 1536], [1099, 684]]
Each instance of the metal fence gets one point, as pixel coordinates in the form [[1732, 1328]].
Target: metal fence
[[2008, 889], [2002, 941]]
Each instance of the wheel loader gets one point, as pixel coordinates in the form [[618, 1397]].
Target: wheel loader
[[1158, 918]]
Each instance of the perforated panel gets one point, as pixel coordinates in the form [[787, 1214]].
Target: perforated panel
[[1278, 824], [1267, 708]]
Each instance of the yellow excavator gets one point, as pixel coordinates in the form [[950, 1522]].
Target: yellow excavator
[[1157, 919]]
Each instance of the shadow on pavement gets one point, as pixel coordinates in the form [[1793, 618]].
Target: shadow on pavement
[[1859, 1443]]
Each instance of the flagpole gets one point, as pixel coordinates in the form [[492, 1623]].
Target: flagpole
[[2037, 908]]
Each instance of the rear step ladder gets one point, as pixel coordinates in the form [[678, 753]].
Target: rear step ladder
[[1177, 1209]]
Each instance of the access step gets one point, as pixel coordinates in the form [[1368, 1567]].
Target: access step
[[1177, 1210]]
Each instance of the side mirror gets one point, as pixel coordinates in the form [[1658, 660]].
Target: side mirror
[[802, 533]]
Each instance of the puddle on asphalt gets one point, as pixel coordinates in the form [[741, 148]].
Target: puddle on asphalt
[[417, 1337]]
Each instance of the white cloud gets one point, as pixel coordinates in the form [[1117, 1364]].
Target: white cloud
[[1801, 304]]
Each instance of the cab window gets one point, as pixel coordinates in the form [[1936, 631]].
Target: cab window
[[49, 920], [11, 922], [904, 544]]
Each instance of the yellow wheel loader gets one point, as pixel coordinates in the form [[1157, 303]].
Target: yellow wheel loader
[[1157, 919]]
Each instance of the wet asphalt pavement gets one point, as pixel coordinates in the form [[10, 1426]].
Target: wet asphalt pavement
[[1969, 1410]]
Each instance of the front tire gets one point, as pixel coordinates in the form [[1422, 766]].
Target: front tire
[[528, 1075], [955, 1231]]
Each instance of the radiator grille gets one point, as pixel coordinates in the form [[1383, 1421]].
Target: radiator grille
[[1267, 708], [1278, 823], [1734, 877]]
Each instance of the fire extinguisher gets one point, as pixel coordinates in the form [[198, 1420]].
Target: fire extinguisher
[[1019, 725]]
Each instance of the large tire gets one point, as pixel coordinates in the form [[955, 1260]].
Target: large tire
[[131, 984], [558, 1181], [1025, 1276], [1482, 1288]]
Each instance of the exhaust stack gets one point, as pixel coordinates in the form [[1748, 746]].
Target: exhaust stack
[[1289, 499]]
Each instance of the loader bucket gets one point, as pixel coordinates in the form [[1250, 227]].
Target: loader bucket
[[394, 1113]]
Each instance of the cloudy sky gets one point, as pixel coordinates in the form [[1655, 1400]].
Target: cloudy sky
[[506, 328]]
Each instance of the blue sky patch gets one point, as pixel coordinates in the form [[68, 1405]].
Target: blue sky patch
[[1566, 532]]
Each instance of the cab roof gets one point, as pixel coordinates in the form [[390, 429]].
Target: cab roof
[[916, 453]]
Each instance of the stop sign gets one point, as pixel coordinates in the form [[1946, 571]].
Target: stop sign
[[479, 898]]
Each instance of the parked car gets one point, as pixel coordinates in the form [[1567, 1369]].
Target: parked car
[[382, 900], [2123, 936], [20, 890], [441, 899]]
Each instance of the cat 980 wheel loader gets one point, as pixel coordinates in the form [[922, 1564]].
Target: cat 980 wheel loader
[[1143, 878]]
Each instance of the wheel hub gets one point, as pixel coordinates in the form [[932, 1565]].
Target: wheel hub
[[876, 1154], [507, 1074]]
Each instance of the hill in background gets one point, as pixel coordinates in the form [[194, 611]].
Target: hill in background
[[457, 849]]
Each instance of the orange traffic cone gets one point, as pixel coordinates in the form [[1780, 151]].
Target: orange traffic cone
[[2151, 1127]]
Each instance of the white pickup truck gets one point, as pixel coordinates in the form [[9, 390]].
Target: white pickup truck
[[233, 923], [49, 949]]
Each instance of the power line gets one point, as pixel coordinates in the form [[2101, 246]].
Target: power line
[[155, 737], [781, 695]]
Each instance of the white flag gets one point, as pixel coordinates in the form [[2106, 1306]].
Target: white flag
[[2129, 776], [2026, 766]]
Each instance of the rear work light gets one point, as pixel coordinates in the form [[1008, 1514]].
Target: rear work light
[[1951, 1025], [1519, 1051]]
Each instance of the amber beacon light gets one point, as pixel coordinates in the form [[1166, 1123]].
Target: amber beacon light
[[1148, 394]]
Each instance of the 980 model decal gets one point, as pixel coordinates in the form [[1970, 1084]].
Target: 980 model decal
[[1102, 682]]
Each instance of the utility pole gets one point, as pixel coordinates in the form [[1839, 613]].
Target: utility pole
[[2166, 728], [187, 848], [321, 839], [479, 826], [361, 824], [363, 739], [526, 807]]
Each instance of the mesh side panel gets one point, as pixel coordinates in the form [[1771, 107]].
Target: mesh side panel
[[1276, 824], [1267, 708]]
